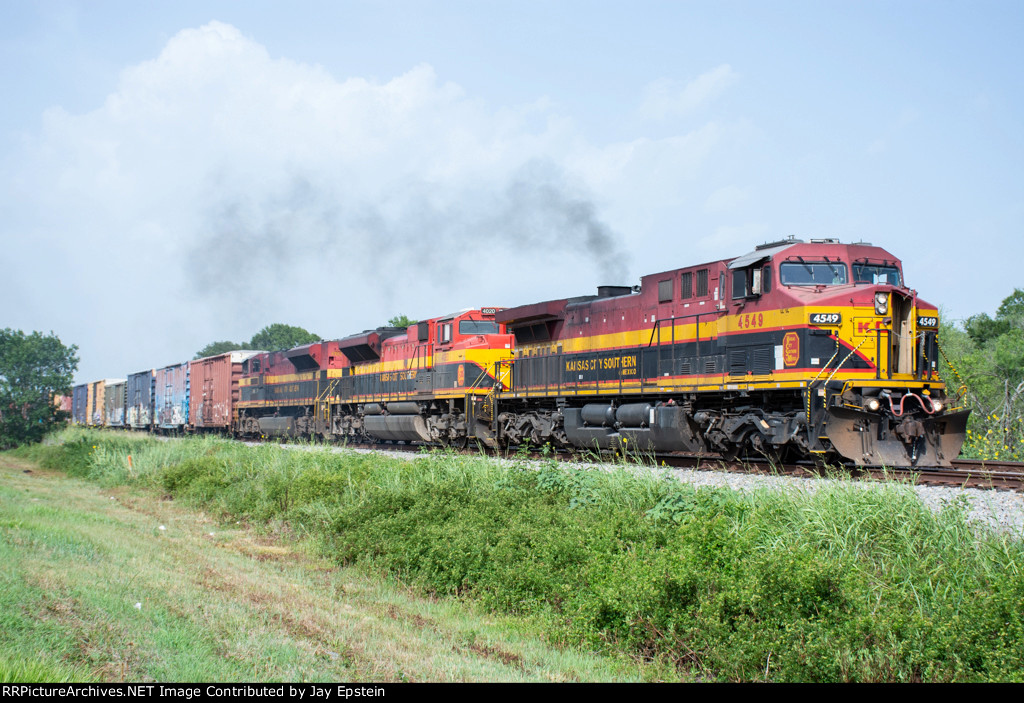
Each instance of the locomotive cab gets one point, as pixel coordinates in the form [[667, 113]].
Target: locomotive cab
[[873, 394], [427, 383]]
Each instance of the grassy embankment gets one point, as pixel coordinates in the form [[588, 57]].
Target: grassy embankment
[[842, 584], [219, 600]]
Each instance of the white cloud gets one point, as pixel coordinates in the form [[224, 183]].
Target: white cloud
[[218, 189], [726, 199], [666, 98], [733, 240]]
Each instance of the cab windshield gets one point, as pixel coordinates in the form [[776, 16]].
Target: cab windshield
[[478, 327], [812, 273], [876, 273]]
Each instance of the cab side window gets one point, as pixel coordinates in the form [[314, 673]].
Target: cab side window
[[746, 282], [739, 283], [444, 332]]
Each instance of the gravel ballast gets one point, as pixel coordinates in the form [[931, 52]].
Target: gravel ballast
[[1002, 510]]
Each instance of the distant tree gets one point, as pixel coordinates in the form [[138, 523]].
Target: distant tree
[[278, 337], [987, 357], [400, 321], [1012, 309], [33, 368], [1010, 315], [214, 348], [983, 328]]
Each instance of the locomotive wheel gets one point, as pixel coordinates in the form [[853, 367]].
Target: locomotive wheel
[[731, 453]]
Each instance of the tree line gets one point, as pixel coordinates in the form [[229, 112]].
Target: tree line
[[983, 363], [272, 338], [279, 337]]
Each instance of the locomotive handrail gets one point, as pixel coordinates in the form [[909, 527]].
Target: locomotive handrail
[[878, 353], [926, 339], [498, 377], [825, 366], [962, 390], [317, 410], [653, 330], [845, 359], [483, 375], [673, 319]]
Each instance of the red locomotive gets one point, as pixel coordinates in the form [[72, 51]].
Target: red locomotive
[[794, 350]]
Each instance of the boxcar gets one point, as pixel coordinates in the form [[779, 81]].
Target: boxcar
[[114, 399], [79, 404], [170, 397], [139, 403], [96, 393], [214, 389]]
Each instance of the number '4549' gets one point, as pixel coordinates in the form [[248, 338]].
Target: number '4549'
[[826, 318], [749, 320]]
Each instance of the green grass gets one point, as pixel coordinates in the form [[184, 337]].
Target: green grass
[[16, 668], [93, 589], [843, 584]]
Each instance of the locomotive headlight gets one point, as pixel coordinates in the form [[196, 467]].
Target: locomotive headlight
[[881, 303], [872, 404], [937, 406]]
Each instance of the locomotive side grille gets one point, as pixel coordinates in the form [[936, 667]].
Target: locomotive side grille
[[702, 283], [763, 358], [738, 362]]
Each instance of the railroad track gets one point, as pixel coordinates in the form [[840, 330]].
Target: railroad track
[[981, 473], [965, 473]]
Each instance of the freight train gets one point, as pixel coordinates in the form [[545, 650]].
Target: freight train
[[796, 350]]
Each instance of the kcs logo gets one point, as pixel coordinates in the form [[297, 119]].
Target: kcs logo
[[791, 349], [867, 325]]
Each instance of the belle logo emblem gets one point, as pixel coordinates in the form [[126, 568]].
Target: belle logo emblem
[[461, 374], [791, 349]]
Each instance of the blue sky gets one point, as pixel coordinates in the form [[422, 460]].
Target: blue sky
[[184, 172]]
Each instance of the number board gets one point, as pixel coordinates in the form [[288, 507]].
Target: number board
[[826, 318], [923, 321]]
